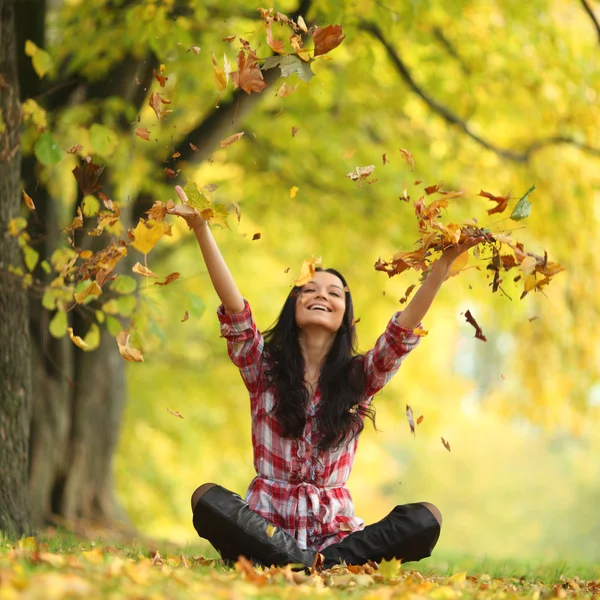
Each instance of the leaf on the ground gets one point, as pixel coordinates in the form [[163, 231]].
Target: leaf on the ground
[[142, 270], [408, 157], [446, 444], [478, 332], [327, 38], [76, 339], [231, 139], [361, 173], [125, 350], [523, 208], [28, 201], [409, 417], [307, 271], [168, 279]]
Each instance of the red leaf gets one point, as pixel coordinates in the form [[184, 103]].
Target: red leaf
[[471, 320], [327, 38], [87, 176], [248, 76]]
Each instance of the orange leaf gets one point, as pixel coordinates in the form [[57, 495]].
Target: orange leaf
[[420, 420], [408, 157], [169, 279], [432, 189], [248, 76], [91, 290], [307, 271], [126, 351], [327, 38], [458, 265], [231, 139], [143, 133], [28, 201], [162, 80], [176, 413], [274, 44], [501, 201]]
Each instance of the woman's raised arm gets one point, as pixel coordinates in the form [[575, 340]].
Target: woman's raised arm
[[220, 276]]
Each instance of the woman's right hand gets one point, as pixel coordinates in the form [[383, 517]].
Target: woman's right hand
[[191, 216]]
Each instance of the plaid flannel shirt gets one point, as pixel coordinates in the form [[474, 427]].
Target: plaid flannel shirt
[[299, 487]]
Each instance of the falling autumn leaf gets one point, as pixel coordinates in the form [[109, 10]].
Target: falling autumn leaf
[[28, 201], [193, 148], [384, 159], [446, 444], [294, 131], [126, 351], [420, 420], [501, 202], [248, 76], [293, 191], [176, 413], [186, 316], [229, 38], [168, 279], [275, 44], [327, 38], [307, 271], [409, 416], [76, 339], [408, 157], [256, 236], [156, 101], [87, 176], [361, 173], [478, 332], [75, 149], [146, 234], [231, 139], [143, 133], [407, 293], [91, 290], [220, 77], [286, 90], [302, 24], [170, 173], [159, 210], [194, 49], [142, 270], [162, 80], [432, 189]]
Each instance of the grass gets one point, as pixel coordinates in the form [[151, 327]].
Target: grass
[[61, 565]]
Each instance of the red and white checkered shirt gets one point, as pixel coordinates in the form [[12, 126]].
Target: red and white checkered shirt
[[299, 487]]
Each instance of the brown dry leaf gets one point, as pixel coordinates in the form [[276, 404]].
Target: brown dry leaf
[[361, 173], [162, 80], [244, 566], [501, 201], [384, 160], [186, 316], [143, 271], [327, 38], [194, 49], [432, 189], [87, 176], [294, 131], [159, 210], [409, 416], [229, 38], [28, 201], [143, 133], [168, 279], [274, 44], [446, 444], [286, 90], [478, 332], [156, 101], [256, 236], [408, 157], [92, 290], [76, 339], [193, 147], [407, 293], [248, 76], [170, 173], [108, 203], [175, 413], [420, 420], [307, 271], [75, 149], [127, 352], [231, 139]]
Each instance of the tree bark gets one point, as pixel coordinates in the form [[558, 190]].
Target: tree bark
[[15, 351]]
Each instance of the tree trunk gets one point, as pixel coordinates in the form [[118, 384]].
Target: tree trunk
[[15, 351]]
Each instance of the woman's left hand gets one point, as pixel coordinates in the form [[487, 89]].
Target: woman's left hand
[[451, 253]]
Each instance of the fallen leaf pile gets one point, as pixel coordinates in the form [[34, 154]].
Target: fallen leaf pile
[[31, 570], [499, 251]]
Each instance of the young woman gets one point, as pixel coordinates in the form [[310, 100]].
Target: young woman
[[309, 396]]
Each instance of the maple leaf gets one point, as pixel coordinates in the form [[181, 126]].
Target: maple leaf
[[409, 416], [409, 158], [501, 201], [159, 210], [327, 38], [289, 64], [125, 350], [361, 173], [478, 332], [231, 139], [28, 201], [142, 270], [458, 265], [87, 176], [76, 339], [307, 271], [146, 234], [248, 77], [143, 133], [168, 279]]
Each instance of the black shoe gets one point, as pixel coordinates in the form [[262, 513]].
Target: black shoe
[[408, 533], [225, 520]]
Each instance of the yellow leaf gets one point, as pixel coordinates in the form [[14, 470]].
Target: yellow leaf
[[458, 265], [220, 78], [307, 271], [76, 339], [28, 201], [93, 556], [293, 191], [420, 332], [458, 577], [142, 270], [91, 290], [271, 529], [128, 353], [146, 235]]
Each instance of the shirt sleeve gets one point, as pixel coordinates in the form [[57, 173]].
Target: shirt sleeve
[[383, 361], [244, 344]]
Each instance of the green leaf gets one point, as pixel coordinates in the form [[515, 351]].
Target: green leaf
[[291, 64], [49, 299], [124, 284], [90, 205], [113, 326], [389, 568], [126, 305], [111, 307], [42, 62], [31, 257], [103, 139], [46, 267], [58, 324], [523, 207], [100, 316], [92, 338], [47, 150], [196, 199], [271, 63]]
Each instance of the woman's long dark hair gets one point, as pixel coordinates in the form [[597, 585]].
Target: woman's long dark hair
[[340, 417]]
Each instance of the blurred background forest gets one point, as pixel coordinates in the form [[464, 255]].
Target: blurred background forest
[[495, 95]]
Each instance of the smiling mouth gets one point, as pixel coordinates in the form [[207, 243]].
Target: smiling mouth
[[319, 307]]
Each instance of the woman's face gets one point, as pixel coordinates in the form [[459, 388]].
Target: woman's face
[[322, 302]]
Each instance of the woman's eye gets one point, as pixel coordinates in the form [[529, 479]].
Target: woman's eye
[[335, 294]]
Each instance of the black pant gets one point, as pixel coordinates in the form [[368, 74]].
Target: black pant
[[408, 533]]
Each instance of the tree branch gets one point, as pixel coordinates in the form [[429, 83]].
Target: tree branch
[[454, 119], [590, 12]]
